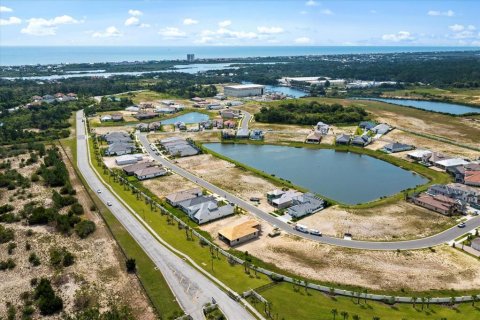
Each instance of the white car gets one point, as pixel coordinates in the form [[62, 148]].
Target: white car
[[99, 191], [109, 203], [315, 232]]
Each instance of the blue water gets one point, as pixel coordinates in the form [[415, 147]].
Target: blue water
[[22, 55], [286, 90], [191, 117], [450, 108], [347, 177]]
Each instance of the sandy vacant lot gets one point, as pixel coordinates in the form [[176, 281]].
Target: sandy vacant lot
[[165, 185], [205, 136], [229, 177], [401, 220], [445, 268], [99, 266]]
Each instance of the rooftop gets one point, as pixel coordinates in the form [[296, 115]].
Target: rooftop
[[240, 230], [245, 86]]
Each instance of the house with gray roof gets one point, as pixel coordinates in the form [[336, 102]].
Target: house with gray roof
[[342, 139], [203, 209], [456, 191], [119, 148], [150, 172], [130, 169], [305, 204], [367, 125], [322, 128], [117, 136], [361, 141], [177, 197], [397, 147], [382, 128]]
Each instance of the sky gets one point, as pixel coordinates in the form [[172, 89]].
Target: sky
[[240, 23]]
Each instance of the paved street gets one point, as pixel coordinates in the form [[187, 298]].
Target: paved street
[[192, 288], [437, 239]]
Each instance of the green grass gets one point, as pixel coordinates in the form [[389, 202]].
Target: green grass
[[292, 305], [232, 276], [153, 282]]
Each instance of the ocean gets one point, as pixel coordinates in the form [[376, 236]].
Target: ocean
[[23, 55]]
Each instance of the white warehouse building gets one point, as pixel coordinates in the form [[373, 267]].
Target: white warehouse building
[[244, 90]]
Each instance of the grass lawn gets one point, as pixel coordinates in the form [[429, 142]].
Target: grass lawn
[[292, 305], [152, 281], [233, 276]]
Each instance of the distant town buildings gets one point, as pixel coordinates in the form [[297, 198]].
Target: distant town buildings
[[190, 57], [244, 90]]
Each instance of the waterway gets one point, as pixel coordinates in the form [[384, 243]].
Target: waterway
[[346, 177], [451, 108], [191, 117]]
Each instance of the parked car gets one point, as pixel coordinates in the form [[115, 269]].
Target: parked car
[[99, 191], [461, 225], [301, 228], [315, 232]]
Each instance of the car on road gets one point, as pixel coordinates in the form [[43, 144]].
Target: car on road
[[461, 225], [99, 191], [109, 203], [315, 232], [301, 228]]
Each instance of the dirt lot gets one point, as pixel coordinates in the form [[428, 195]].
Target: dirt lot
[[422, 270], [104, 130], [205, 136], [99, 266], [230, 177], [165, 185], [401, 220]]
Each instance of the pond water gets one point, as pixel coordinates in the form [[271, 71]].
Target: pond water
[[191, 117], [346, 177], [444, 107], [286, 90]]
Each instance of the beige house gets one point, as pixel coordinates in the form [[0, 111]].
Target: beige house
[[240, 233]]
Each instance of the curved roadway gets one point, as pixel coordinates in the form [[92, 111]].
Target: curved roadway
[[440, 238], [191, 288]]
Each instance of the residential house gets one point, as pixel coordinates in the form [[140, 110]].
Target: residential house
[[150, 172], [342, 139], [419, 155], [305, 204], [178, 147], [142, 127], [361, 141], [106, 118], [456, 191], [117, 136], [381, 128], [322, 128], [314, 137], [397, 147], [165, 110], [472, 178], [119, 148], [132, 109], [229, 124], [450, 163], [458, 172], [236, 234], [437, 203], [367, 125], [175, 198], [256, 135], [145, 115], [219, 123], [154, 126], [214, 106], [128, 159], [117, 117], [130, 170], [72, 96], [48, 98], [282, 199], [167, 102], [197, 99], [37, 98], [229, 114], [228, 134], [203, 209]]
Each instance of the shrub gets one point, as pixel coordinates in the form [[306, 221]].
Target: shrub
[[84, 228], [11, 247], [6, 208], [77, 209], [34, 177], [6, 234], [68, 259], [48, 302], [34, 259], [61, 257], [7, 265], [131, 265]]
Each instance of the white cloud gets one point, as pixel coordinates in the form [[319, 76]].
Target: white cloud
[[189, 21], [10, 21], [135, 13], [434, 13], [399, 36], [311, 3], [225, 23], [269, 30], [172, 33], [303, 40], [5, 9], [327, 12], [132, 21], [144, 25], [47, 27], [457, 27], [109, 32], [471, 27]]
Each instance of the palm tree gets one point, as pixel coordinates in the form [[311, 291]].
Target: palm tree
[[355, 317], [414, 301], [305, 283], [423, 301], [452, 301], [428, 301], [474, 299], [344, 315], [334, 312]]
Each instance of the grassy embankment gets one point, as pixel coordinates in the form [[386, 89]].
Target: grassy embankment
[[157, 289], [290, 305], [434, 176]]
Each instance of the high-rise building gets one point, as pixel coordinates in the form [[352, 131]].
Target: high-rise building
[[190, 57]]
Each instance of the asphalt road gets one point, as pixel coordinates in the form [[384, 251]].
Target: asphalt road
[[432, 241], [191, 288]]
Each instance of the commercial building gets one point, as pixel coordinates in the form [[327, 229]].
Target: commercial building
[[190, 57], [240, 233], [244, 90]]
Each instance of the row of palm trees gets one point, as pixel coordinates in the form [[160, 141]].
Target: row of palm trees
[[345, 315]]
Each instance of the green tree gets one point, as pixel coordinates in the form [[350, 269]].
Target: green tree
[[334, 313]]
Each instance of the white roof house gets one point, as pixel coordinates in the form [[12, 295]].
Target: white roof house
[[419, 154], [447, 163]]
